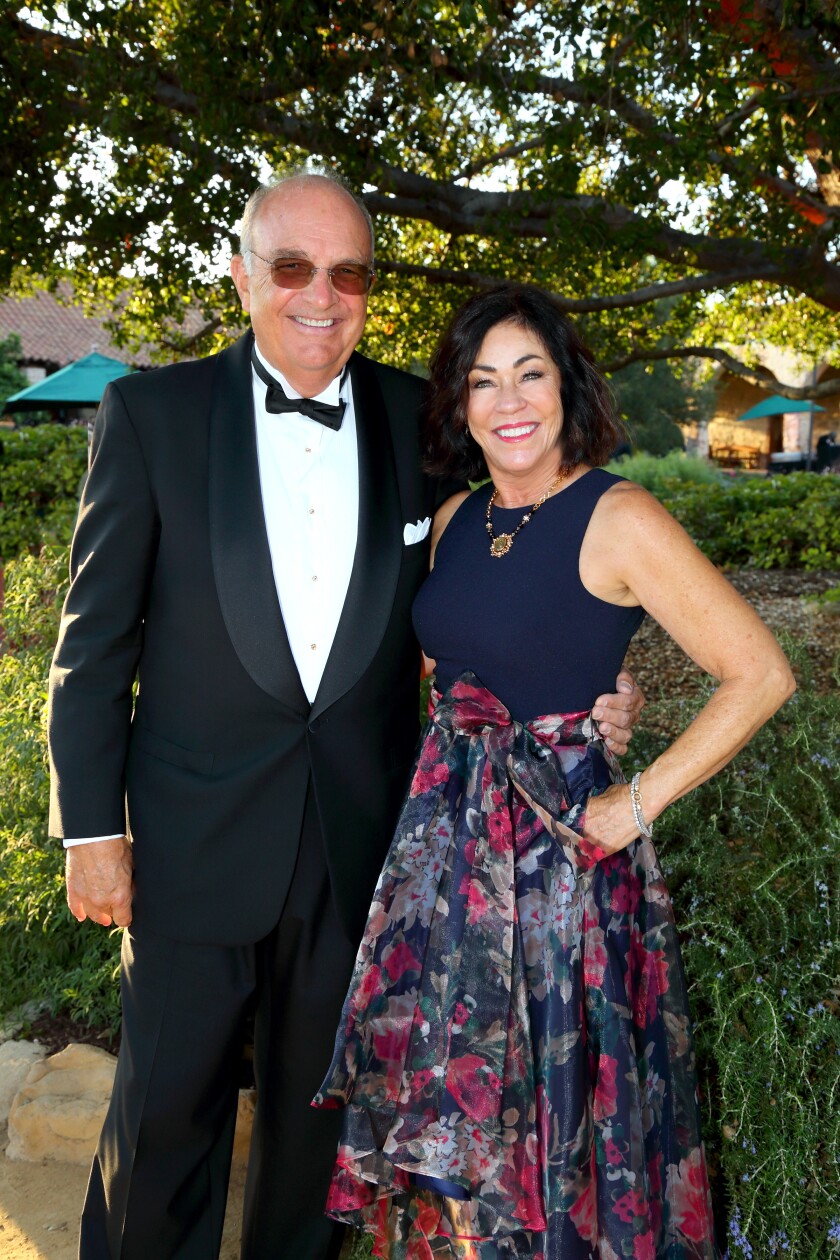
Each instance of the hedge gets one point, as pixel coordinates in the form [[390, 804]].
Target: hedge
[[41, 473], [791, 521]]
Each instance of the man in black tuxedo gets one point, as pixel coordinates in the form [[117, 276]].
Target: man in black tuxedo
[[251, 561]]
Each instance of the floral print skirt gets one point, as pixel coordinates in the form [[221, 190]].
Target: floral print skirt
[[514, 1058]]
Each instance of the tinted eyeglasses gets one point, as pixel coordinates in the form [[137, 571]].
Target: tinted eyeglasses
[[297, 273]]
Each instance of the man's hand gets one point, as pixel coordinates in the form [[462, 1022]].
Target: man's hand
[[617, 714], [99, 881]]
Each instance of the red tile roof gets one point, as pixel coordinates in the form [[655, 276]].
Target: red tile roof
[[54, 331]]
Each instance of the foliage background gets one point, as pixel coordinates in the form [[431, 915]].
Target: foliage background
[[41, 472], [670, 171], [792, 521], [46, 957], [12, 378]]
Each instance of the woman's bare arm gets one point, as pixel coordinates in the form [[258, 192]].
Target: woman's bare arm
[[636, 553]]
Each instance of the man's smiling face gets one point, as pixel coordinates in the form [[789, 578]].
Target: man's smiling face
[[307, 334]]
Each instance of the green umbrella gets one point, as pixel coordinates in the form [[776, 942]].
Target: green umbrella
[[80, 384], [775, 405]]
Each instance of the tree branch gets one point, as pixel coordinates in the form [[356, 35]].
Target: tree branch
[[642, 120], [613, 302], [759, 98], [501, 155], [465, 211], [759, 376], [183, 345]]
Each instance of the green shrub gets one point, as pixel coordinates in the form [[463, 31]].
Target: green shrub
[[769, 523], [828, 599], [752, 860], [12, 377], [764, 522], [41, 474], [46, 957], [661, 473], [654, 399]]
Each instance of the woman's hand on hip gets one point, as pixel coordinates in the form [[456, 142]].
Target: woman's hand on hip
[[609, 819]]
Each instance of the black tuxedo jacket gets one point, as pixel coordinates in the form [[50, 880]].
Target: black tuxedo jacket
[[173, 585]]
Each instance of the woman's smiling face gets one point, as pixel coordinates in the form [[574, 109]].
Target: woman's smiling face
[[514, 410]]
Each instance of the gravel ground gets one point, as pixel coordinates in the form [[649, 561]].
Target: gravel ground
[[664, 671]]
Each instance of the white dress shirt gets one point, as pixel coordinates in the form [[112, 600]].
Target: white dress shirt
[[309, 482], [309, 478]]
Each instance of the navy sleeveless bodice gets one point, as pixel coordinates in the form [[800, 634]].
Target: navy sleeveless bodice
[[524, 623]]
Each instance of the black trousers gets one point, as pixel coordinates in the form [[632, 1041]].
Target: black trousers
[[159, 1180]]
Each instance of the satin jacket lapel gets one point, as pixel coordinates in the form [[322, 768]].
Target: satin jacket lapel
[[376, 567], [239, 543]]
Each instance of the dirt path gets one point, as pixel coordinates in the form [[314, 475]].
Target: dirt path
[[40, 1206]]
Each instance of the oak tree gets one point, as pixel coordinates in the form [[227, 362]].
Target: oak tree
[[630, 156]]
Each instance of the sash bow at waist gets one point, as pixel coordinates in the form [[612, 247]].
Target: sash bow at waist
[[500, 785]]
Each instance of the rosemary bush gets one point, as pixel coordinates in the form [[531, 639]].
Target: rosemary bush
[[752, 860], [46, 957]]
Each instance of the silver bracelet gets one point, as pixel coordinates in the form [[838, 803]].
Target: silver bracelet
[[636, 805]]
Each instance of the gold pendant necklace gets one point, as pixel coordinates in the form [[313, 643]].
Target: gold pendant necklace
[[500, 544]]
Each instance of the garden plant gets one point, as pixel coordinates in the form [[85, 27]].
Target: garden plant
[[41, 471], [791, 521]]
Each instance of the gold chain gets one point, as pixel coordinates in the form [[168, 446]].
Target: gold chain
[[500, 544]]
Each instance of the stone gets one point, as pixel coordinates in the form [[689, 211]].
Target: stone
[[16, 1058], [58, 1112]]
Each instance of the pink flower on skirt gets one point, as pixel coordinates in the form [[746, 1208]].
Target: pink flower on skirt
[[398, 960], [429, 775], [606, 1089], [627, 894], [643, 1247], [690, 1201], [584, 1215], [648, 980], [369, 988], [391, 1046], [630, 1206], [594, 958], [474, 1087], [477, 903]]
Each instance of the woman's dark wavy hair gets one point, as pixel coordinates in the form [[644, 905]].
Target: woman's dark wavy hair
[[591, 430]]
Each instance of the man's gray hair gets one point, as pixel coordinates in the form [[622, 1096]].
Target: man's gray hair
[[297, 175]]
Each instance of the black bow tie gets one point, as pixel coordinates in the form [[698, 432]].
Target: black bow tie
[[329, 414]]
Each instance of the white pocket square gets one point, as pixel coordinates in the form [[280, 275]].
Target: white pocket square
[[416, 533]]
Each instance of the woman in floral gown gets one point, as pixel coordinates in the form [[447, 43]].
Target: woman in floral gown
[[515, 1058]]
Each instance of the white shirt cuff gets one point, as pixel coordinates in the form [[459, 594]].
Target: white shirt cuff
[[68, 844]]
